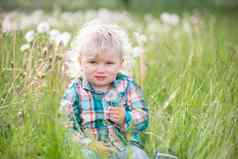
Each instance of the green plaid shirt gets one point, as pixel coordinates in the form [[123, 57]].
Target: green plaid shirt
[[86, 112]]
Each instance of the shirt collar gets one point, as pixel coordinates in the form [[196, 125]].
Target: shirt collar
[[86, 85]]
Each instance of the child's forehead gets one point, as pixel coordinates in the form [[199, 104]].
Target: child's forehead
[[102, 53]]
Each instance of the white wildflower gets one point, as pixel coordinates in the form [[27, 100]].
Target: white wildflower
[[24, 47], [29, 36], [6, 24], [170, 19], [54, 34], [174, 19], [71, 63], [149, 18], [140, 38], [63, 39], [43, 27], [153, 27]]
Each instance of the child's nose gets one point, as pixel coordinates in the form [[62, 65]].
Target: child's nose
[[101, 67]]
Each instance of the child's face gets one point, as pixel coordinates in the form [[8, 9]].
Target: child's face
[[101, 69]]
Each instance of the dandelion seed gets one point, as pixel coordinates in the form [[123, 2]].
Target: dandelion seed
[[25, 47], [29, 36], [43, 27]]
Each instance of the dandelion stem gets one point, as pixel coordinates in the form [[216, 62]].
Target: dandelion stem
[[14, 59], [142, 68]]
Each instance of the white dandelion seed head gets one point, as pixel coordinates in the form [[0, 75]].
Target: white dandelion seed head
[[53, 34], [149, 18], [65, 36], [29, 36], [62, 39], [43, 27], [140, 38], [7, 24], [71, 63], [170, 19], [24, 47]]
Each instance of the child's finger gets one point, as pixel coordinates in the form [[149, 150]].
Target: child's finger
[[115, 111], [116, 114], [114, 117]]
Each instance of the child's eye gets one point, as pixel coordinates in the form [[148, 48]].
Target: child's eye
[[109, 63], [92, 62]]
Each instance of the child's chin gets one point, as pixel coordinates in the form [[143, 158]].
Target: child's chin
[[102, 83]]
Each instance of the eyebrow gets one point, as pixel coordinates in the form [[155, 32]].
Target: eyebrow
[[91, 58]]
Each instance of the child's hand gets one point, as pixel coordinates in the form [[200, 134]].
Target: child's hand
[[117, 114], [97, 146], [101, 149]]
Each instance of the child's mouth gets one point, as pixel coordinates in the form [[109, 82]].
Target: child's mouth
[[100, 78]]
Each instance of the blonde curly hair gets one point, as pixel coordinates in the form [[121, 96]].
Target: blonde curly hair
[[96, 35]]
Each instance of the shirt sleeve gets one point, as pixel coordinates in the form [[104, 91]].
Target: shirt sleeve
[[69, 113], [137, 118]]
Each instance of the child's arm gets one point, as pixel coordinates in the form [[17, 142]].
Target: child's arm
[[136, 116], [70, 118], [133, 117], [70, 115]]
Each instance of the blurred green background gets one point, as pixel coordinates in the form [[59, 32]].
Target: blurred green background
[[136, 5]]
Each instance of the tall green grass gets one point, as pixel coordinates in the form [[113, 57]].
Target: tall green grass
[[192, 92], [191, 88]]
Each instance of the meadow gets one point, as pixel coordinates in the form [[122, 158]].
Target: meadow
[[189, 76]]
